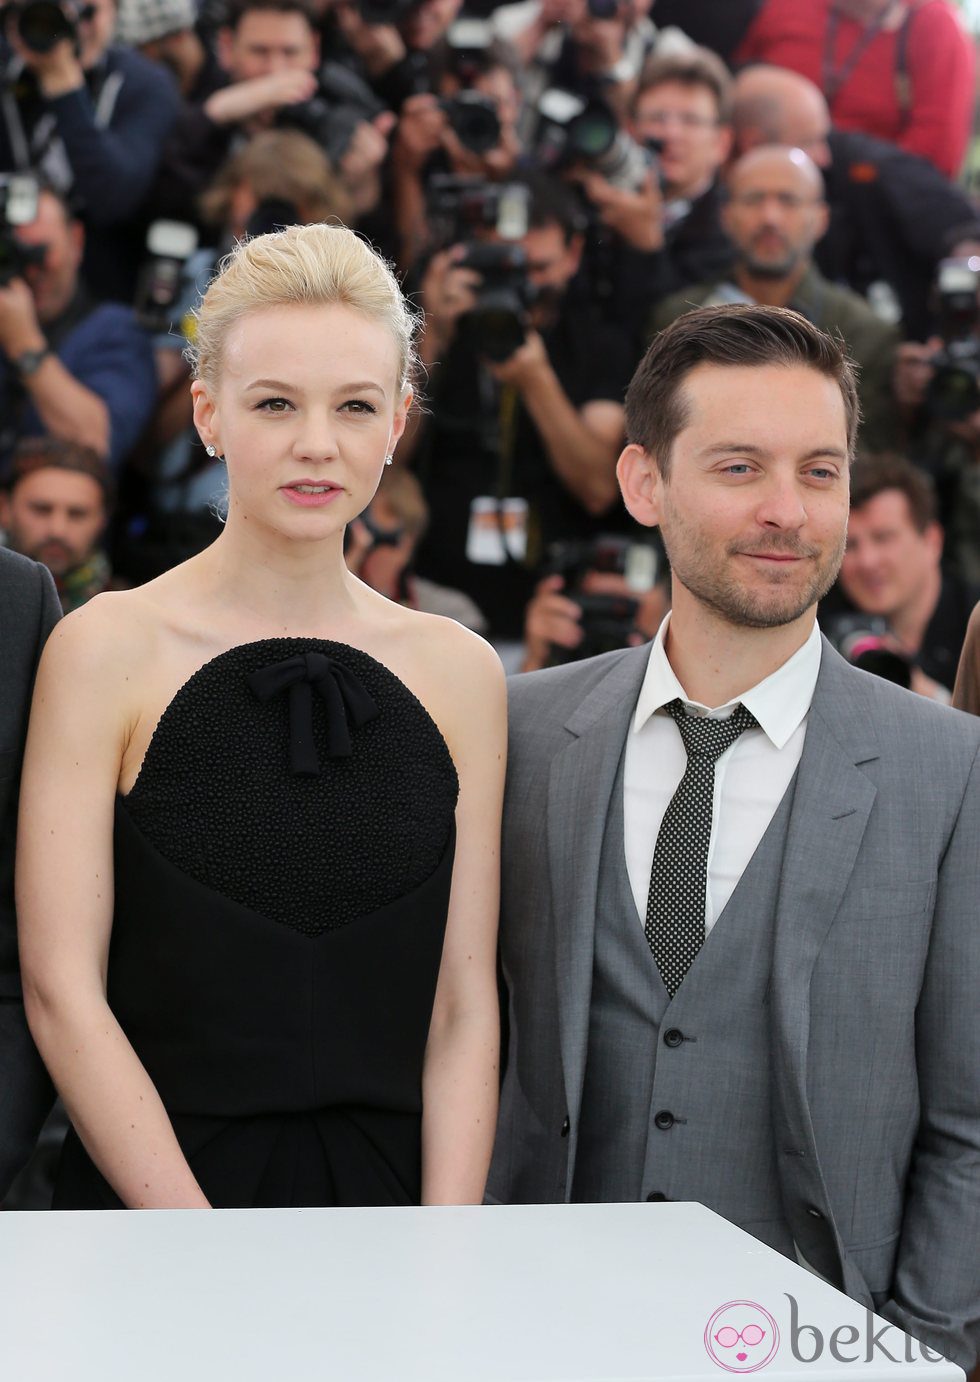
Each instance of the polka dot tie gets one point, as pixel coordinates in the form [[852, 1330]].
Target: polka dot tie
[[679, 878]]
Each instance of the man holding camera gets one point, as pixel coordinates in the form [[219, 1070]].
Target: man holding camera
[[668, 232], [70, 368], [519, 448], [92, 118], [269, 56], [937, 386], [894, 591]]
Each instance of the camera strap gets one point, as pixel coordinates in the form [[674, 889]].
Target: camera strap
[[43, 149], [835, 75], [498, 522]]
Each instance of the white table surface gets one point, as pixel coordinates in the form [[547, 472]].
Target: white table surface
[[540, 1293]]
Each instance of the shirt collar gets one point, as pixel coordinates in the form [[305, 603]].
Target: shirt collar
[[779, 703]]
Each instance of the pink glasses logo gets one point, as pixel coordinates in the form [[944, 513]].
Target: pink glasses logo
[[741, 1336]]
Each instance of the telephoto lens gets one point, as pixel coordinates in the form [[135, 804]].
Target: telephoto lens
[[42, 23]]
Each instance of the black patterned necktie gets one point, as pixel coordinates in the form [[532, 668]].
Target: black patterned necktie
[[679, 877]]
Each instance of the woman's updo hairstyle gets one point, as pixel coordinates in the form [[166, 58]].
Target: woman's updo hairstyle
[[306, 266]]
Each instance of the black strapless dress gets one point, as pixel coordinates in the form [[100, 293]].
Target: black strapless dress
[[282, 874]]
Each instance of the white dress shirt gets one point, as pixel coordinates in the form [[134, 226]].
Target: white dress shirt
[[751, 777]]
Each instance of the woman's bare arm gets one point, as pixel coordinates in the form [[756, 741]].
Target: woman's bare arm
[[83, 711], [461, 1079]]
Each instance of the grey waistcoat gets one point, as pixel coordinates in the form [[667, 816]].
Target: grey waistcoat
[[676, 1102]]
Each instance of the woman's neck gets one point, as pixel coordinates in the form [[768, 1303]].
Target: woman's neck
[[287, 587]]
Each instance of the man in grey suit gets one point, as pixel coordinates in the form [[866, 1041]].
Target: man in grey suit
[[29, 609], [740, 930]]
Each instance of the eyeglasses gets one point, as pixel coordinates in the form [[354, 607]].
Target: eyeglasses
[[687, 119], [751, 1335]]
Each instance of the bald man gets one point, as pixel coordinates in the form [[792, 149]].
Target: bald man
[[775, 214], [890, 211]]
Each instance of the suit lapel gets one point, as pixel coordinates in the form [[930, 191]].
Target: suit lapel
[[831, 805], [579, 792]]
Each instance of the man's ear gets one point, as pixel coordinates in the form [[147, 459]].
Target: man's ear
[[4, 509], [934, 534], [641, 484]]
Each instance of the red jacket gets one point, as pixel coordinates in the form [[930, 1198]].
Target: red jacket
[[934, 118]]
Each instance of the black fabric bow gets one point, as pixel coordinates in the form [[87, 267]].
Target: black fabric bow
[[347, 703]]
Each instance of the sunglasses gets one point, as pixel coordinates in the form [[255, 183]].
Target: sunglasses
[[751, 1335]]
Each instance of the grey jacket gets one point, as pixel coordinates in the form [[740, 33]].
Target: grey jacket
[[29, 610], [875, 1030]]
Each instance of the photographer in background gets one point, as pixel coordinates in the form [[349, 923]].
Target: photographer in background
[[165, 32], [92, 118], [893, 595], [466, 127], [591, 47], [668, 232], [609, 593], [55, 509], [937, 387], [519, 447], [269, 54], [70, 367]]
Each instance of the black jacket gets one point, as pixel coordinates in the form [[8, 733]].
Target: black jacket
[[890, 213]]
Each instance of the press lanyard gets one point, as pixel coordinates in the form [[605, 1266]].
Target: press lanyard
[[833, 77]]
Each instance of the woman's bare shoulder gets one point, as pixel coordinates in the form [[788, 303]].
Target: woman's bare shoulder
[[116, 626], [458, 677]]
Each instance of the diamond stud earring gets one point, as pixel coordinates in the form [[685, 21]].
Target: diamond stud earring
[[211, 450], [389, 460]]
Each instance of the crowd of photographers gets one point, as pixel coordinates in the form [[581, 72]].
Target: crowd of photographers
[[556, 180]]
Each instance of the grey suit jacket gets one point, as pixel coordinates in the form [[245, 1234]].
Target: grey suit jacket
[[875, 983], [29, 610]]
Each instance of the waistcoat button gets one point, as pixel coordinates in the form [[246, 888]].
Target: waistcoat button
[[656, 1197], [673, 1037], [664, 1120], [565, 1127]]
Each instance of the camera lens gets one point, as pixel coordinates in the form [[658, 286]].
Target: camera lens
[[474, 121], [41, 24], [592, 133]]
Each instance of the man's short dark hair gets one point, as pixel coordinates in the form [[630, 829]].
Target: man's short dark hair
[[238, 9], [552, 202], [872, 475], [52, 453], [698, 67], [737, 335]]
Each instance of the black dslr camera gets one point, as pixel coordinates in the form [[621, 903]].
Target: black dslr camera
[[497, 325], [43, 23], [571, 130], [466, 209], [864, 640], [472, 116], [608, 621], [342, 102], [954, 391], [18, 207]]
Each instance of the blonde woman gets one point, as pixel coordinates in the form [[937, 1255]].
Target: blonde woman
[[260, 817]]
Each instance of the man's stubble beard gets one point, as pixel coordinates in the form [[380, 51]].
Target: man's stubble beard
[[734, 603]]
